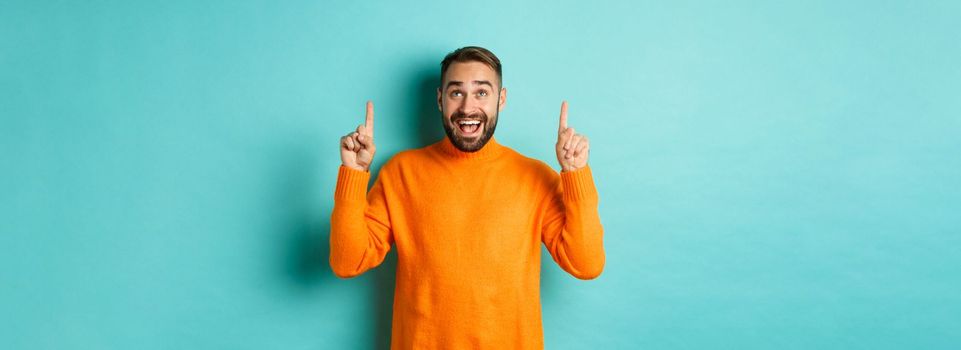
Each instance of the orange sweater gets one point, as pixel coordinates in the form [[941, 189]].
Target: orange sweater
[[468, 228]]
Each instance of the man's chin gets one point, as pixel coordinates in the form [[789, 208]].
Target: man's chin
[[466, 145], [469, 144]]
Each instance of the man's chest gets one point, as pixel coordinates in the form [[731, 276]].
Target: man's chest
[[494, 218]]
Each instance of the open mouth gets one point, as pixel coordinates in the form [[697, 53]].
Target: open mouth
[[469, 127]]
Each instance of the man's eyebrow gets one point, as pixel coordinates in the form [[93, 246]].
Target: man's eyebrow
[[453, 82], [460, 83], [481, 82]]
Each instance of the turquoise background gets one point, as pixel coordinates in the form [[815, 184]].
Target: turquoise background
[[772, 176]]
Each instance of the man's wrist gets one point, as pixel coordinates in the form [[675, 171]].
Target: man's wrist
[[355, 167]]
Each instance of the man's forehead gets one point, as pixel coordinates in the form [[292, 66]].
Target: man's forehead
[[467, 73]]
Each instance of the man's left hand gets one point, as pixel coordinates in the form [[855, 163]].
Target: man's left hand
[[572, 148]]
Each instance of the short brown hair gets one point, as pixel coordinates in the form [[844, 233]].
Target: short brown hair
[[468, 54]]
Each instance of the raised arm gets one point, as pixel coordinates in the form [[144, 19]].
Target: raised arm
[[572, 228], [360, 234]]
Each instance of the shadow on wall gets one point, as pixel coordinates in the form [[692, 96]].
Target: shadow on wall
[[307, 249], [427, 126]]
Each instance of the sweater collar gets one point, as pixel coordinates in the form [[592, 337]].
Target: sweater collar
[[490, 150]]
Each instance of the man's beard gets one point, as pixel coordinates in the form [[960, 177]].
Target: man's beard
[[469, 144]]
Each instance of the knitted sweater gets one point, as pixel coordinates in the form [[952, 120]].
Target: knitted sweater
[[467, 229]]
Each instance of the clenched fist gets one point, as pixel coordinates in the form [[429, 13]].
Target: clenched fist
[[572, 148], [357, 148]]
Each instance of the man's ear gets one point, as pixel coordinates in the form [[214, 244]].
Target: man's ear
[[503, 99], [439, 101]]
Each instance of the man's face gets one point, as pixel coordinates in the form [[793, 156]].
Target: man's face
[[469, 104]]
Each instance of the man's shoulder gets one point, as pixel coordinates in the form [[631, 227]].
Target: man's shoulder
[[533, 166], [408, 157]]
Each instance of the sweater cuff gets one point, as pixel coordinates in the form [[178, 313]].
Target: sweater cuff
[[578, 185], [351, 184]]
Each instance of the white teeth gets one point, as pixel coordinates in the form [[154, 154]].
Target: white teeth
[[469, 122]]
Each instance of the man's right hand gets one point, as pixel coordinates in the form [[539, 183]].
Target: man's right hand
[[357, 148]]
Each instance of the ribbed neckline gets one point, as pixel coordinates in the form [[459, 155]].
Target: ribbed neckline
[[490, 150]]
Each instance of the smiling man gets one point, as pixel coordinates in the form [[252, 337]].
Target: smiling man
[[467, 215]]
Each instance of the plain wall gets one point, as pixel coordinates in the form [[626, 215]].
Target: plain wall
[[771, 175]]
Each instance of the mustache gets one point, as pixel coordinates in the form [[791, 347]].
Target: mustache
[[457, 116]]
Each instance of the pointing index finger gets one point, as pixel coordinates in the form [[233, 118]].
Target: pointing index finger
[[369, 122], [563, 124]]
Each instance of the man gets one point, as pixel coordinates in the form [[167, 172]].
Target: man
[[467, 215]]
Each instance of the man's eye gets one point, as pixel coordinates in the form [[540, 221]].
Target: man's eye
[[482, 93], [456, 94]]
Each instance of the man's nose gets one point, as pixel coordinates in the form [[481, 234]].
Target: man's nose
[[469, 105]]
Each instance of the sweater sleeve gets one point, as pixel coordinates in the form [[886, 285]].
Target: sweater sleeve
[[571, 229], [360, 234]]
